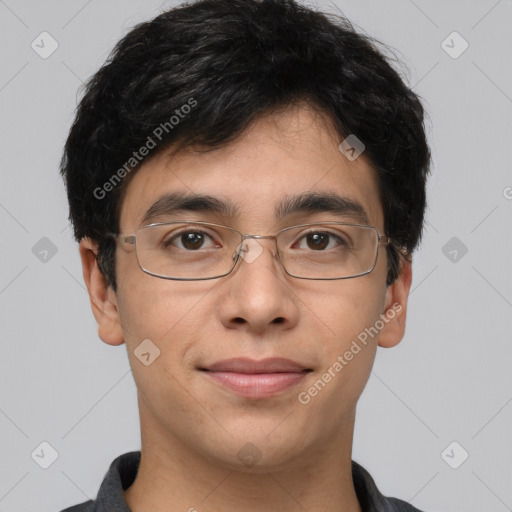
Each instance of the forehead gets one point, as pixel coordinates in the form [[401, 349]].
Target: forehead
[[279, 160]]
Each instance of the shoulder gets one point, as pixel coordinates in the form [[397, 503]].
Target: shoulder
[[369, 496], [120, 475], [86, 506], [401, 506]]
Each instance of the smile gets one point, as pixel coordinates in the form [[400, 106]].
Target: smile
[[256, 379]]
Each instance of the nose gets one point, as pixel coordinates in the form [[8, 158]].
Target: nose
[[257, 295]]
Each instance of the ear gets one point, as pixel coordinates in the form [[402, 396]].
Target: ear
[[395, 307], [103, 298]]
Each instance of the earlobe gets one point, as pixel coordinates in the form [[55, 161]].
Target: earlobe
[[395, 308], [102, 297]]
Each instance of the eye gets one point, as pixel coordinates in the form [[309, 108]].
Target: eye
[[320, 240], [190, 240]]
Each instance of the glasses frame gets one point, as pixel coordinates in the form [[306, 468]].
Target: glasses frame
[[131, 239]]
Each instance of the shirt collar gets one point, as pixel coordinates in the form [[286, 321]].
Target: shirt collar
[[123, 470]]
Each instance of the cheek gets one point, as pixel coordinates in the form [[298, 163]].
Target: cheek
[[160, 324], [345, 308], [148, 306], [348, 308], [164, 311]]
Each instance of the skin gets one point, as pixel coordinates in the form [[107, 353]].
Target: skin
[[192, 428]]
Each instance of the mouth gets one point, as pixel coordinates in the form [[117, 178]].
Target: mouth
[[256, 379]]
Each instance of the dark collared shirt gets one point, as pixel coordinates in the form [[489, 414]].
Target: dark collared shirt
[[123, 470]]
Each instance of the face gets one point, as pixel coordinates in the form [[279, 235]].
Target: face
[[201, 392]]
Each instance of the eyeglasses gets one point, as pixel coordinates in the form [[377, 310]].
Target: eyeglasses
[[195, 250]]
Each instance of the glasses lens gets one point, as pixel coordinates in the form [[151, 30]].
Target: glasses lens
[[184, 250], [328, 250], [200, 250]]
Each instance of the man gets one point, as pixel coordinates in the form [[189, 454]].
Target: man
[[247, 183]]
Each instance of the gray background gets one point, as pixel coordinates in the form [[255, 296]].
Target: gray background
[[449, 380]]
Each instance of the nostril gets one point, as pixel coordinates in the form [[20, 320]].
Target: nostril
[[278, 320]]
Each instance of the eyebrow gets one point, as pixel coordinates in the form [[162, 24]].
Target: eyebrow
[[316, 202], [170, 204], [307, 202]]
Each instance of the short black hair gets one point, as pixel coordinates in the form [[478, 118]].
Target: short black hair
[[198, 74]]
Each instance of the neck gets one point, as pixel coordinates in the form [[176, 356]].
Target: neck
[[174, 477]]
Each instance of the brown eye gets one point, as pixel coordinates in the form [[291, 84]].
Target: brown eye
[[320, 241], [317, 241], [189, 240], [192, 240]]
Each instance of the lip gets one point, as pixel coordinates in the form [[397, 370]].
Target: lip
[[256, 379]]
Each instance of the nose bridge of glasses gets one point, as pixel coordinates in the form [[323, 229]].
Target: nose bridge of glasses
[[259, 236], [249, 248]]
